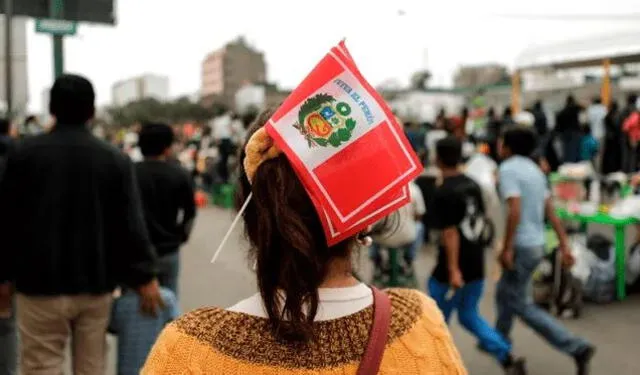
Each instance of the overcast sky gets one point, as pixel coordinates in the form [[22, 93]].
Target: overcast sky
[[172, 37]]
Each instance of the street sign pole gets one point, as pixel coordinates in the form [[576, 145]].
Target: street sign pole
[[8, 55], [58, 46]]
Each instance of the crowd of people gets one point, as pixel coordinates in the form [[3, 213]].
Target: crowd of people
[[578, 132], [104, 225], [527, 148]]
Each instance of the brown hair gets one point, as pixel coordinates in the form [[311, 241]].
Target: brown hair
[[287, 241]]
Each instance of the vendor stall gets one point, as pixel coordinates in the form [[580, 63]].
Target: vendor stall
[[620, 226], [582, 196]]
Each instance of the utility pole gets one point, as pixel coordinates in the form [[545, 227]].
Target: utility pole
[[8, 55], [56, 8]]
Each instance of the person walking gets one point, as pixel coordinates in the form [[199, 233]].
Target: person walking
[[223, 135], [167, 198], [72, 230], [311, 314], [596, 114], [8, 335], [523, 186], [540, 123], [568, 127], [611, 147], [629, 148], [458, 212]]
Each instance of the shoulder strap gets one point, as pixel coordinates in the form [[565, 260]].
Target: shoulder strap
[[370, 363]]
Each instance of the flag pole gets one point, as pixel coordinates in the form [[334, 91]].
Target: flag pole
[[233, 225]]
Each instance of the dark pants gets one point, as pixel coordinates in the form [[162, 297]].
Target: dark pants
[[571, 140], [629, 156], [8, 345], [226, 149], [466, 301]]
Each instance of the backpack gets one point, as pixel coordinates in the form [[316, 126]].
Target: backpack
[[486, 230]]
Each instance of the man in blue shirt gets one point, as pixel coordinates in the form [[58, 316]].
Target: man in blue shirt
[[524, 188]]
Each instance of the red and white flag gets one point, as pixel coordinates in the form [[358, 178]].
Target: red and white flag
[[345, 145]]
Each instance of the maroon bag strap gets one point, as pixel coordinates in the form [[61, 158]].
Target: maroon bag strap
[[370, 363]]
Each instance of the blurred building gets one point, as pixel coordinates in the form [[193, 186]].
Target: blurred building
[[480, 75], [577, 67], [19, 66], [228, 69], [259, 96], [141, 87], [424, 105]]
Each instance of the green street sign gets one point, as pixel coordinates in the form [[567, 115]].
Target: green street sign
[[56, 27]]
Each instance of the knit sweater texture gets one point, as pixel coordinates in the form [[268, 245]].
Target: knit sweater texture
[[218, 341]]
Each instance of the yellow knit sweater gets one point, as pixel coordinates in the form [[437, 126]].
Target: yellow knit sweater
[[217, 341]]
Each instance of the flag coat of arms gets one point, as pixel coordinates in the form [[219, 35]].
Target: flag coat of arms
[[345, 145]]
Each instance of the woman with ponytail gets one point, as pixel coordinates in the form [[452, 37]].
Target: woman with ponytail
[[311, 316]]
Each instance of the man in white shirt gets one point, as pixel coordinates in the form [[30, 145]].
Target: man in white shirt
[[405, 232], [223, 134], [595, 115]]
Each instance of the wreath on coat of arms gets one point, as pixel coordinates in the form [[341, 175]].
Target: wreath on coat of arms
[[323, 122]]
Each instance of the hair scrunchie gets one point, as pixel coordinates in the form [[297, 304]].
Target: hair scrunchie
[[259, 149]]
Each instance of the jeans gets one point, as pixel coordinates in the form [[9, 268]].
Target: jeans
[[466, 300], [169, 271], [409, 251], [514, 297], [8, 345]]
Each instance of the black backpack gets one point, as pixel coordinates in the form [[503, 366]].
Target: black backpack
[[488, 227]]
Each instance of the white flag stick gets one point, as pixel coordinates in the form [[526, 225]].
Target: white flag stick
[[233, 225]]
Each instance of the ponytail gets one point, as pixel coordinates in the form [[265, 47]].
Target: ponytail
[[288, 244]]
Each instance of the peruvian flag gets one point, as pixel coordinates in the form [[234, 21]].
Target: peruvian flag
[[345, 145]]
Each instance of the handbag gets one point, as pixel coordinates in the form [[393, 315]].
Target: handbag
[[370, 363]]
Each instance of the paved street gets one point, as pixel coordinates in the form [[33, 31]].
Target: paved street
[[614, 328]]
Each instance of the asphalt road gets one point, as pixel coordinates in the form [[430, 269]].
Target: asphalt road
[[613, 328]]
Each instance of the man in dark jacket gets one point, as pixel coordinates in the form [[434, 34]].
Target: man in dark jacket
[[8, 336], [629, 150], [72, 230], [568, 127], [540, 118], [167, 195]]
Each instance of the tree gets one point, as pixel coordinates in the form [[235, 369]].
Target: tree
[[420, 79], [218, 109], [149, 109]]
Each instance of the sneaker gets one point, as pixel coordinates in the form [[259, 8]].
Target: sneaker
[[517, 367], [583, 359]]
